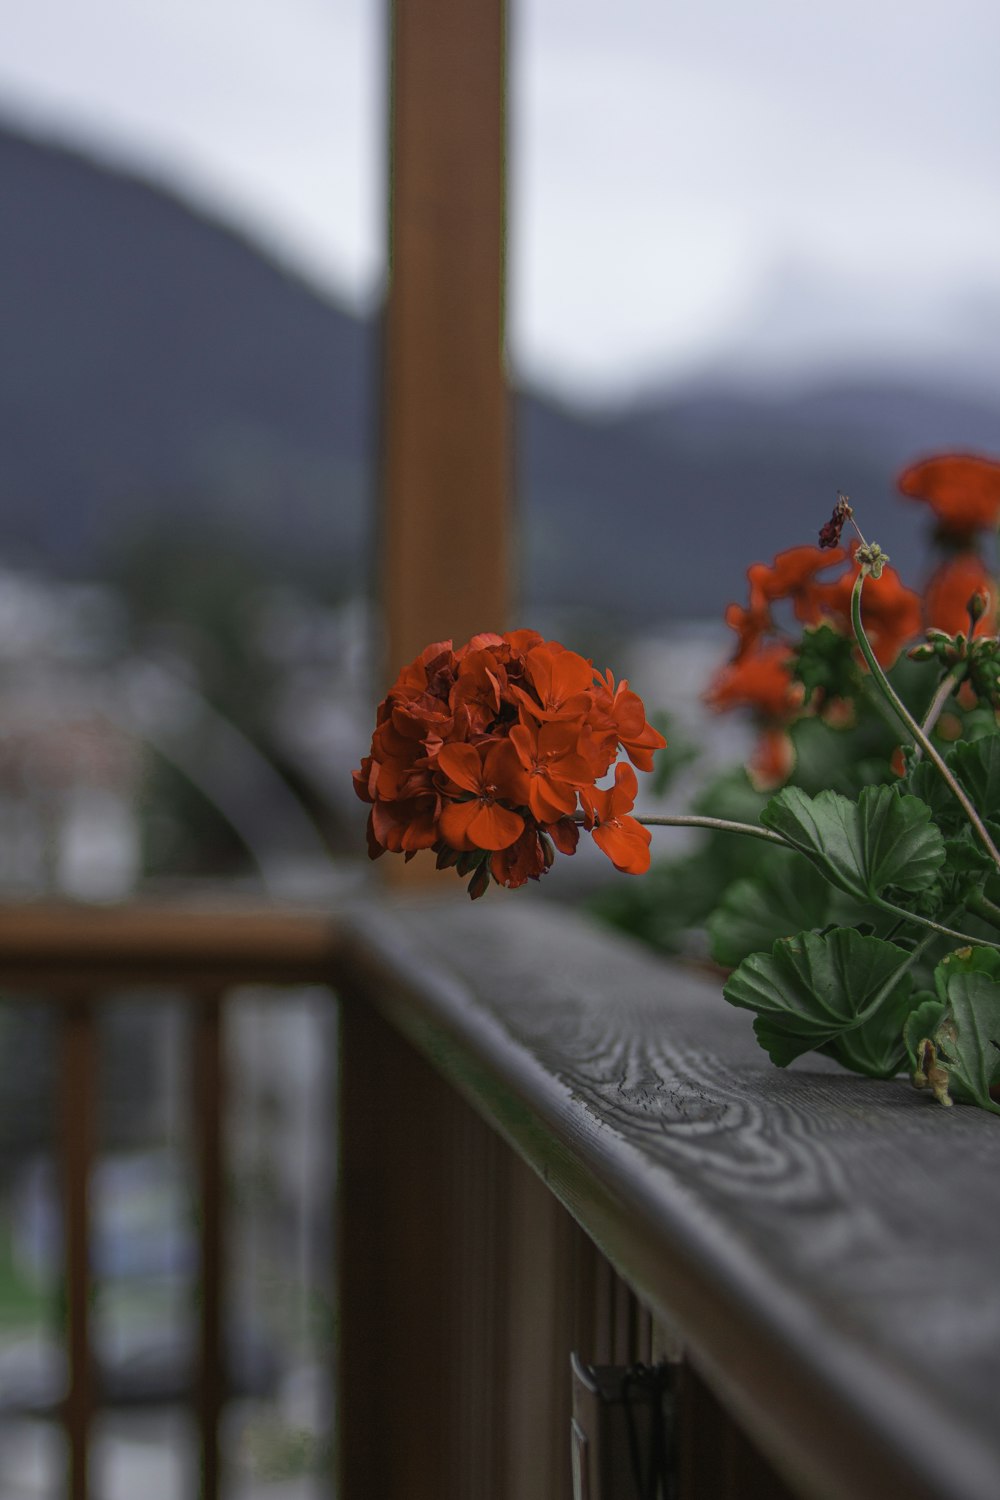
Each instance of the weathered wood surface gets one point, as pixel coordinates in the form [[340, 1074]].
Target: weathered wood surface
[[826, 1243]]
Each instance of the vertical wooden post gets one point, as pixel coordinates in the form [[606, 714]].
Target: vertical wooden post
[[445, 523], [79, 1084], [421, 1243], [209, 1094]]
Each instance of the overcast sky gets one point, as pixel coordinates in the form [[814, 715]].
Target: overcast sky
[[696, 185]]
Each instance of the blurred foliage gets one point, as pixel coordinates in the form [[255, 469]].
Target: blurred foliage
[[196, 594], [194, 598]]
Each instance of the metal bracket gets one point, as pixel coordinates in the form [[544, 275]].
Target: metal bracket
[[622, 1431]]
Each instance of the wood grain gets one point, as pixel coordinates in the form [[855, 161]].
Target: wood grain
[[824, 1243]]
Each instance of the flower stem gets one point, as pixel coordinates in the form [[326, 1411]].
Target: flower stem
[[984, 908], [892, 697], [720, 825], [945, 688], [952, 932]]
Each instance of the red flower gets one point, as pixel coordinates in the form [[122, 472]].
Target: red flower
[[890, 612], [490, 773], [560, 680], [772, 761], [760, 679], [523, 860], [622, 715], [554, 767], [792, 574], [758, 676], [949, 589], [623, 840], [962, 489], [485, 755]]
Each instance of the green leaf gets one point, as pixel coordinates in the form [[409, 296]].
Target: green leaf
[[788, 896], [977, 766], [965, 855], [876, 1047], [968, 1038], [811, 989], [926, 782], [976, 763], [966, 961], [824, 658], [882, 839], [922, 1022]]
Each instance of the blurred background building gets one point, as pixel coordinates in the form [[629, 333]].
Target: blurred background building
[[752, 259]]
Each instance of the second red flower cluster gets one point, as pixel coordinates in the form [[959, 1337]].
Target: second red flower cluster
[[963, 491]]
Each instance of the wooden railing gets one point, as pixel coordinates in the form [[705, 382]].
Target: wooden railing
[[74, 958], [551, 1143]]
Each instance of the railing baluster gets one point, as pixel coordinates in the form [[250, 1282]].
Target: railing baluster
[[209, 1086], [78, 1095]]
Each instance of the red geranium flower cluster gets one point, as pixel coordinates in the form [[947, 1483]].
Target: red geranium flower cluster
[[490, 755], [962, 489], [759, 675], [963, 492]]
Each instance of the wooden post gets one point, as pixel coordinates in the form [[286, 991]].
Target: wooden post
[[209, 1089], [78, 1108], [420, 1248], [445, 521]]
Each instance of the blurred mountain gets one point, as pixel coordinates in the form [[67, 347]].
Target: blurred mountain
[[160, 372], [156, 365]]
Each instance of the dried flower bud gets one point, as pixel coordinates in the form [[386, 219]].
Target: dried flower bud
[[829, 535], [929, 1074]]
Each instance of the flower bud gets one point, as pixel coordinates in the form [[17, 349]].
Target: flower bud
[[977, 608], [872, 558]]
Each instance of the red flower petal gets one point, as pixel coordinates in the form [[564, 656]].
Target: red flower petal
[[962, 489]]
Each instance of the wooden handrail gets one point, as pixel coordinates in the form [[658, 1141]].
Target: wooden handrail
[[823, 1245], [55, 945]]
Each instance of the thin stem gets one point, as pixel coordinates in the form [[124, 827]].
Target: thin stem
[[952, 932], [945, 688], [719, 825], [983, 907], [914, 728]]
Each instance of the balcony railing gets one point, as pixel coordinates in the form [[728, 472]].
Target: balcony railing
[[551, 1143], [75, 958]]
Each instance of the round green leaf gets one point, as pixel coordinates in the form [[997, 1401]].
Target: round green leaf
[[883, 839], [812, 989]]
